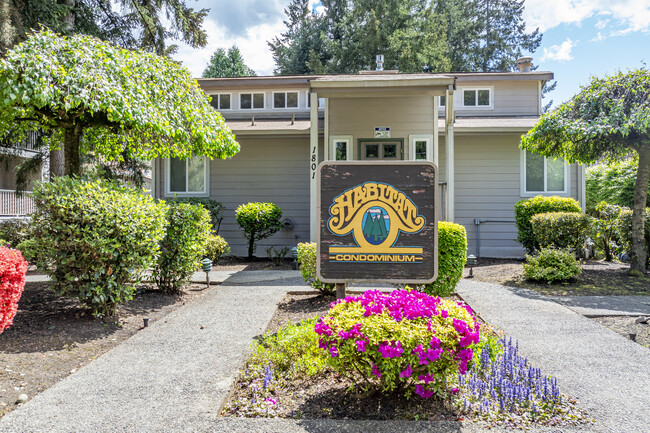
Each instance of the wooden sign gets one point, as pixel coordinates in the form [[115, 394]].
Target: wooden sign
[[377, 221]]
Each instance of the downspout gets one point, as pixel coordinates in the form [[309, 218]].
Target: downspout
[[479, 221]]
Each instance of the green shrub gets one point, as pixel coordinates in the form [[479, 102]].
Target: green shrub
[[95, 239], [258, 221], [623, 229], [404, 341], [525, 209], [603, 228], [452, 254], [307, 266], [277, 256], [215, 208], [613, 183], [14, 231], [560, 229], [184, 244], [216, 247], [552, 266], [29, 248], [4, 243]]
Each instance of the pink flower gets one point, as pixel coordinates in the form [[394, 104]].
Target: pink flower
[[376, 371], [270, 400], [427, 378], [334, 351], [423, 392], [454, 391], [361, 345]]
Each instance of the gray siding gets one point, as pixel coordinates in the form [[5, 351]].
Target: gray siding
[[488, 178], [510, 98]]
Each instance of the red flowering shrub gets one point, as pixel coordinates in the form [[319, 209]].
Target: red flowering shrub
[[12, 282]]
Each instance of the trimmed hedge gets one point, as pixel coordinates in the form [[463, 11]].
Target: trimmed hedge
[[258, 221], [552, 266], [13, 269], [307, 262], [215, 208], [452, 254], [560, 229], [182, 247], [623, 228], [95, 239], [216, 247], [525, 209]]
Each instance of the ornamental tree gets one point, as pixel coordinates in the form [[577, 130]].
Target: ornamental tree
[[89, 95], [609, 119]]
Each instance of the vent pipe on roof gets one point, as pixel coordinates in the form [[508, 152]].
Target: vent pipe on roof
[[524, 64], [380, 62]]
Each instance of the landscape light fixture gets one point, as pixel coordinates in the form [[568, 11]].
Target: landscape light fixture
[[207, 267], [471, 262]]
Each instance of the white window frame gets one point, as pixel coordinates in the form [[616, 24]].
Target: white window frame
[[218, 96], [252, 100], [525, 193], [285, 100], [421, 137], [348, 140], [476, 89], [321, 102], [206, 181]]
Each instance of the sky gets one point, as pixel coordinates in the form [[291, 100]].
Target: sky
[[582, 38]]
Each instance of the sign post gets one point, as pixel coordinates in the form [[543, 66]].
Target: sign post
[[377, 222]]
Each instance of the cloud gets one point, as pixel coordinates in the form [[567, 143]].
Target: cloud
[[599, 37], [632, 15], [237, 17], [560, 53], [252, 44]]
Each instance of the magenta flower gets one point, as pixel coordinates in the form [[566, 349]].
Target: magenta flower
[[406, 373], [427, 378], [376, 371], [270, 400], [322, 344], [361, 345], [392, 349], [334, 351], [423, 392]]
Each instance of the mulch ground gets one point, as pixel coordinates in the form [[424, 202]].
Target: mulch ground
[[52, 337]]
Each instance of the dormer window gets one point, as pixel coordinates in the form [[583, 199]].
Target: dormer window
[[478, 97], [285, 99], [221, 101], [248, 101]]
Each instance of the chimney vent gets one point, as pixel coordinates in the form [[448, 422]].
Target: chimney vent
[[380, 62], [524, 64]]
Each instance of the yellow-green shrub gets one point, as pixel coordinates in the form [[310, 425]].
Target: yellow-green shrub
[[560, 229], [216, 247], [552, 266], [258, 221], [307, 262]]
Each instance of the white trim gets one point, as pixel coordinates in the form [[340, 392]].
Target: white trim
[[313, 165], [273, 107], [522, 183], [347, 139], [206, 181], [428, 138], [252, 100], [476, 89]]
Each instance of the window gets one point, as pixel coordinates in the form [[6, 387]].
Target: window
[[441, 100], [321, 102], [477, 98], [543, 175], [221, 101], [340, 149], [285, 99], [419, 147], [186, 176], [249, 101], [381, 149]]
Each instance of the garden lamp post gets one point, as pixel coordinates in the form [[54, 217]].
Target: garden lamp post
[[471, 262], [207, 267]]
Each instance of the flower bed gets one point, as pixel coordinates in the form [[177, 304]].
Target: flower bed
[[293, 374]]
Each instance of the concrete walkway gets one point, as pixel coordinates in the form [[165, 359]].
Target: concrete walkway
[[174, 375]]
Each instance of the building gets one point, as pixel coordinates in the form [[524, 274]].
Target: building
[[13, 205], [470, 124]]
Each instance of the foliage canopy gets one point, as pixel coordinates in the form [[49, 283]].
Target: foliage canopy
[[230, 64], [92, 95]]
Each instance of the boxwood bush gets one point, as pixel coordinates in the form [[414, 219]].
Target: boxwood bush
[[525, 209], [95, 239], [216, 247], [623, 229], [258, 221], [560, 229], [403, 342], [452, 255], [307, 266], [552, 266], [184, 244]]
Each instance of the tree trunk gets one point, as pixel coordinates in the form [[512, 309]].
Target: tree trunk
[[71, 141], [640, 257], [57, 158], [251, 246]]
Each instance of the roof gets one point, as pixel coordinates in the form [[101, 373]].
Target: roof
[[462, 124]]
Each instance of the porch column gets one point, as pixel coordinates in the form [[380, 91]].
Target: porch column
[[326, 132], [449, 140], [435, 133], [313, 164]]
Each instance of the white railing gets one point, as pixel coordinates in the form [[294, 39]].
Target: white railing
[[13, 205]]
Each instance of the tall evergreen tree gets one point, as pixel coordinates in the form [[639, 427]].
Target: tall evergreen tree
[[230, 64]]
